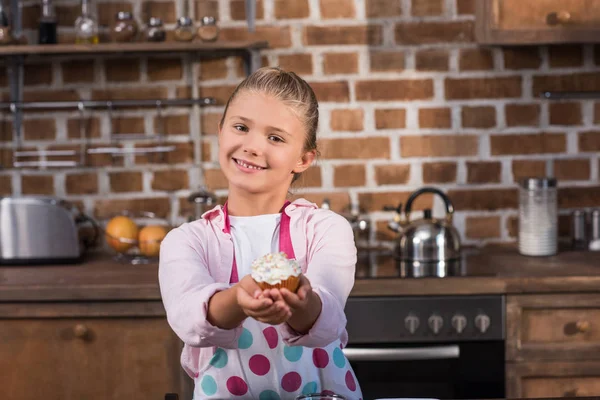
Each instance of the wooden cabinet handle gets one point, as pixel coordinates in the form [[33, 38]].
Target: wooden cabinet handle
[[583, 326], [558, 17], [81, 331]]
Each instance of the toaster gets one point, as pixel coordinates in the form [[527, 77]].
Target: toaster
[[41, 230]]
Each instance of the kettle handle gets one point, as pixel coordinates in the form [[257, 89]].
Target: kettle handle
[[447, 202]]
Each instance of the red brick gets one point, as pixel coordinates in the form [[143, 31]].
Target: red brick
[[589, 141], [392, 174], [359, 148], [439, 172], [483, 199], [386, 61], [525, 168], [37, 74], [209, 123], [424, 8], [172, 125], [5, 185], [482, 227], [535, 143], [125, 181], [291, 9], [521, 58], [164, 9], [572, 170], [67, 14], [478, 117], [310, 178], [82, 183], [390, 118], [277, 36], [432, 60], [164, 69], [465, 7], [385, 90], [483, 88], [597, 113], [161, 206], [127, 125], [122, 70], [215, 179], [476, 60], [589, 81], [331, 91], [565, 113], [349, 175], [351, 35], [565, 56], [340, 63], [51, 95], [383, 8], [439, 145], [6, 158], [484, 171], [183, 153], [337, 9], [299, 63], [215, 68], [578, 197], [130, 93], [220, 93], [434, 32], [376, 201], [522, 114], [347, 120], [37, 184], [206, 151], [107, 11], [170, 180], [91, 128], [435, 118], [238, 10], [39, 129]]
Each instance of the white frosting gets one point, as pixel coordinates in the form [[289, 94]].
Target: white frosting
[[272, 268]]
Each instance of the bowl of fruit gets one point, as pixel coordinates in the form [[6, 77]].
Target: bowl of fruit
[[135, 238]]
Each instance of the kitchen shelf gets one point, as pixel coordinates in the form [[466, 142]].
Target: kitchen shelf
[[129, 48]]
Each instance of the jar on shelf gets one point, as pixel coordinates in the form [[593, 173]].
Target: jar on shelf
[[125, 28], [185, 31], [155, 31], [5, 34], [86, 25], [538, 217], [208, 30]]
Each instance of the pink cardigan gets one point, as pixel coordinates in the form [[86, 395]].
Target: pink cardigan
[[196, 261]]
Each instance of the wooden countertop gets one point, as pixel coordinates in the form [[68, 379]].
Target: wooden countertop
[[491, 270]]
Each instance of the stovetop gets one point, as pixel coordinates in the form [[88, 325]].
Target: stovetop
[[376, 263]]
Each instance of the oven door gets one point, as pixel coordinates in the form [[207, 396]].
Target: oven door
[[463, 370]]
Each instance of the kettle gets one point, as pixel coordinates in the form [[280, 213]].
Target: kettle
[[426, 246]]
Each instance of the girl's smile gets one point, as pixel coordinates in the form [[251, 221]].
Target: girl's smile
[[247, 166]]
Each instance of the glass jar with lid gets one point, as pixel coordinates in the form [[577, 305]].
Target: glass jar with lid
[[185, 32], [538, 216], [208, 31], [155, 31], [125, 28]]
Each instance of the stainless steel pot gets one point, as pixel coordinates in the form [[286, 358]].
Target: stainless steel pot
[[426, 246]]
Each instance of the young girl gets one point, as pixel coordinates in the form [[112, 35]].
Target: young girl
[[239, 340]]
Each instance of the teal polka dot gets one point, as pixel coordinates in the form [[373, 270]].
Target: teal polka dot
[[292, 353], [219, 360], [268, 395], [209, 385], [310, 387], [338, 358], [245, 340]]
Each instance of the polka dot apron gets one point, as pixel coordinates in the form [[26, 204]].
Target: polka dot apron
[[263, 367]]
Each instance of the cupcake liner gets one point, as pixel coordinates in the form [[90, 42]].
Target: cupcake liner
[[290, 284]]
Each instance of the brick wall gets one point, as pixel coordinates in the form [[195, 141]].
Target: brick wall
[[407, 99]]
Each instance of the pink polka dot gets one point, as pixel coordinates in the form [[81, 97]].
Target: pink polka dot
[[327, 393], [271, 336], [259, 364], [350, 381], [237, 386], [320, 358], [291, 381]]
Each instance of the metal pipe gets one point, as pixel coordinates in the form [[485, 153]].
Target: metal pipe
[[28, 105], [402, 354], [583, 95]]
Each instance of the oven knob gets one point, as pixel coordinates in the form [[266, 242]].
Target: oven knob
[[459, 322], [411, 323], [482, 322], [435, 323]]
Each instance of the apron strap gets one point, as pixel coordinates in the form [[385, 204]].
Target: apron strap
[[285, 239]]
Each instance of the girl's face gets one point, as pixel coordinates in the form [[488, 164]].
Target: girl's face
[[261, 144]]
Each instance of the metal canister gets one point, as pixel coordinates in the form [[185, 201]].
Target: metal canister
[[579, 236]]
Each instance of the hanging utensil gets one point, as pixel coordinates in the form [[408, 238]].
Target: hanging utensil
[[250, 14]]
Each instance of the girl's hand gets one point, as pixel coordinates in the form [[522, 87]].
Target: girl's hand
[[298, 301], [264, 309]]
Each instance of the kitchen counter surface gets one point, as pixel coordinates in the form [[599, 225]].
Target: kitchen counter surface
[[491, 270]]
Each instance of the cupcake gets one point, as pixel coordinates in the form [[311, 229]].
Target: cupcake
[[275, 270]]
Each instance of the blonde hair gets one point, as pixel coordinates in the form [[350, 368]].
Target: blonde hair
[[291, 90]]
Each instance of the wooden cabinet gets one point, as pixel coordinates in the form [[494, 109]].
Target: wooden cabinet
[[553, 345], [513, 22], [89, 350]]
